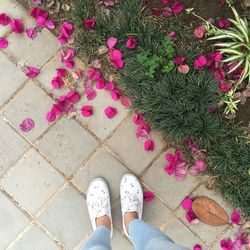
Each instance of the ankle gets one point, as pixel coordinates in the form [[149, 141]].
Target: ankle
[[103, 221], [128, 218]]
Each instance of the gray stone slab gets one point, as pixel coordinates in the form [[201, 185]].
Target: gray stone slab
[[67, 145], [104, 165], [170, 190], [67, 218], [32, 182], [31, 102], [12, 221], [12, 146], [11, 78], [130, 150], [34, 238]]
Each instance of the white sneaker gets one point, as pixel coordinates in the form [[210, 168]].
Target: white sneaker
[[131, 194], [98, 201]]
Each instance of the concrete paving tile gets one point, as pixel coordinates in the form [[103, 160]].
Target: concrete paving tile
[[130, 150], [35, 238], [35, 51], [170, 190], [32, 181], [13, 9], [31, 102], [12, 146], [11, 78], [98, 123], [181, 235], [102, 164], [12, 221], [67, 145], [67, 218]]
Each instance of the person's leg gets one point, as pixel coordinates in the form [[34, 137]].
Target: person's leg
[[146, 237], [99, 240], [98, 201]]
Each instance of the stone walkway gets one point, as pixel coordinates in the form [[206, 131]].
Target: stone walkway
[[44, 174]]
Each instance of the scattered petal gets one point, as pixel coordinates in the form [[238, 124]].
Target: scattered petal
[[16, 25], [73, 96], [41, 21], [100, 83], [148, 196], [32, 72], [4, 19], [177, 7], [235, 217], [3, 43], [143, 131], [31, 33], [167, 12], [110, 86], [111, 42], [69, 64], [224, 23], [50, 116], [190, 216], [149, 145], [201, 165], [27, 125], [50, 24], [86, 110], [89, 23], [110, 112], [199, 32], [126, 101], [197, 247], [184, 68], [179, 60], [165, 1], [187, 204], [138, 119], [57, 82], [115, 94], [173, 35], [180, 173], [131, 42], [155, 11], [90, 94], [61, 72], [194, 170], [200, 62]]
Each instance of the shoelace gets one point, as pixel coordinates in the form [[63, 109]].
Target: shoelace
[[130, 203], [100, 206]]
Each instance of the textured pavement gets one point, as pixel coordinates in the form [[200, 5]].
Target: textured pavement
[[44, 174]]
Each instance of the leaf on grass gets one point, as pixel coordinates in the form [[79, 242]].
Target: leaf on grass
[[209, 212]]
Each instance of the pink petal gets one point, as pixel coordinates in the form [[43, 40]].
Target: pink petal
[[143, 131], [109, 2], [100, 83], [235, 217], [27, 125], [172, 34], [37, 1], [190, 216], [169, 169], [183, 68], [197, 247], [194, 170], [177, 7], [131, 42], [224, 23], [148, 196], [41, 21], [69, 64], [199, 32], [215, 56], [32, 72], [111, 42], [220, 74], [126, 102], [187, 204], [169, 157], [3, 43], [73, 96], [16, 25], [200, 62], [165, 1], [118, 63], [149, 145], [179, 60], [201, 165], [35, 12], [110, 86], [57, 82], [61, 72], [115, 54], [93, 74], [180, 174], [89, 23], [227, 244], [31, 33], [50, 24], [50, 116], [68, 54], [4, 19], [110, 112], [86, 111], [115, 94], [90, 94], [138, 119], [167, 12], [62, 39], [57, 109], [155, 11]]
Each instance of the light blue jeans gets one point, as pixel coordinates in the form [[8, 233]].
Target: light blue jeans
[[143, 237]]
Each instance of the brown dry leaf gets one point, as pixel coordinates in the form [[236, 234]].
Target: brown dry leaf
[[209, 212]]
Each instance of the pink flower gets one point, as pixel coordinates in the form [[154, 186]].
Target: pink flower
[[31, 33], [131, 42], [26, 125], [50, 116], [110, 86], [187, 204], [41, 21], [138, 119], [4, 19], [89, 23], [110, 112], [73, 96], [200, 62], [183, 68], [3, 43], [143, 131], [50, 24], [167, 12], [61, 72], [224, 23], [86, 111], [69, 63], [199, 32], [57, 82], [36, 12], [155, 12], [148, 196], [175, 164], [100, 83], [66, 32], [219, 74], [197, 247], [224, 87], [32, 72], [215, 56], [235, 217], [172, 34], [149, 145], [226, 244], [201, 165], [126, 101], [90, 94], [177, 7], [16, 25], [179, 60], [57, 109], [116, 94], [190, 216], [115, 56], [180, 172], [111, 42], [93, 74]]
